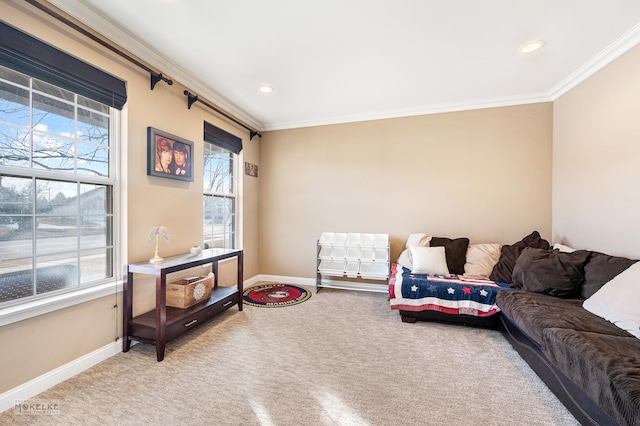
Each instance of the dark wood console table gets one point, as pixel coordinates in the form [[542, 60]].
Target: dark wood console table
[[165, 323]]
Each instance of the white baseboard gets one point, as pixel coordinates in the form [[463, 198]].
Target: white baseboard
[[48, 380], [251, 281]]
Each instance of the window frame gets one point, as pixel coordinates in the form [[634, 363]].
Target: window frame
[[37, 304], [233, 195]]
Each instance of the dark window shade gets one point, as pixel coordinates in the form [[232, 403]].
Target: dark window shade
[[28, 55], [219, 137]]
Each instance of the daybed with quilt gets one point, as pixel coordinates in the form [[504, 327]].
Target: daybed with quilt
[[446, 280], [455, 298]]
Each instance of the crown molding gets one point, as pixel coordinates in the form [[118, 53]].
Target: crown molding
[[90, 17], [616, 49], [438, 109]]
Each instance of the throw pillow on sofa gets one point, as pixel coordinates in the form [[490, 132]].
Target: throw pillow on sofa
[[618, 300], [481, 258], [429, 260], [562, 247], [503, 270], [601, 269], [419, 240], [456, 252], [550, 272]]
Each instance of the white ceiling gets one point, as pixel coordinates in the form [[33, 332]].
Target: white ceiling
[[335, 61]]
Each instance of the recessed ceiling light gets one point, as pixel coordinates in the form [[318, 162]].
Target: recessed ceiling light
[[531, 46], [266, 89]]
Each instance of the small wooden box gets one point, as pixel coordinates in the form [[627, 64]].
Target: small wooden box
[[189, 291]]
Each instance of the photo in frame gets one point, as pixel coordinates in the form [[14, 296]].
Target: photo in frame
[[169, 156], [250, 169]]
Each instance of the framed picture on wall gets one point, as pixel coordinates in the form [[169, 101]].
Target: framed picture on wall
[[250, 169], [169, 156]]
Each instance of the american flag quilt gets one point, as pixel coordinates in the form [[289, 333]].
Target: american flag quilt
[[452, 295]]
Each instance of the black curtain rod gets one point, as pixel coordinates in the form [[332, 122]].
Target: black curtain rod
[[191, 99], [155, 76]]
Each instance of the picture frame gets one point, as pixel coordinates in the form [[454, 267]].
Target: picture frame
[[169, 156], [250, 169]]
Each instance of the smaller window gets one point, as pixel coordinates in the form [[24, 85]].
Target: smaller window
[[219, 197]]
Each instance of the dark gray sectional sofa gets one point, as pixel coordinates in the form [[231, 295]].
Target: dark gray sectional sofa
[[591, 365]]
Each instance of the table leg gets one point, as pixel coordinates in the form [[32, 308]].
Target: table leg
[[127, 309], [161, 315], [240, 279], [214, 269]]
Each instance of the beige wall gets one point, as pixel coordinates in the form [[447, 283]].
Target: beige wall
[[34, 347], [484, 174], [596, 173], [37, 345]]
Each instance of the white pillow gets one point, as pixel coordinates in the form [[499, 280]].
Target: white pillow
[[618, 301], [563, 248], [481, 258], [420, 240], [405, 259], [429, 260]]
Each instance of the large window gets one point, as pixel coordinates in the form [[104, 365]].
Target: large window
[[56, 189], [219, 197]]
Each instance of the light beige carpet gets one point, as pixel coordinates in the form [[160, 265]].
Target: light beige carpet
[[340, 358]]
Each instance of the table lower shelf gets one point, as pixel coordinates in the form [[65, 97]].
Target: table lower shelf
[[143, 327]]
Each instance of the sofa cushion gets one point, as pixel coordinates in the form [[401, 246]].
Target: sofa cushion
[[455, 250], [534, 312], [481, 258], [600, 269], [509, 254], [550, 272], [606, 367]]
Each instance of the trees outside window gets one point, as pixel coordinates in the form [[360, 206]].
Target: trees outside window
[[56, 189]]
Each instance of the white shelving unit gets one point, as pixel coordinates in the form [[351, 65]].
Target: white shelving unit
[[354, 255]]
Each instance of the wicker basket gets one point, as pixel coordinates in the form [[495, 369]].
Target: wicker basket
[[189, 291]]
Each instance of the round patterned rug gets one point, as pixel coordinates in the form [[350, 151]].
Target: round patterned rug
[[275, 295]]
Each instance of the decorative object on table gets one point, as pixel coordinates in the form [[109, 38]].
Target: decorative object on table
[[169, 156], [157, 232], [195, 250], [275, 295], [186, 292]]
